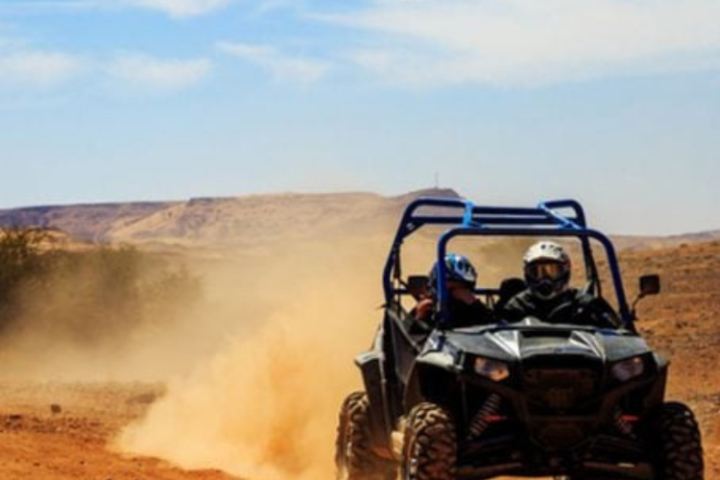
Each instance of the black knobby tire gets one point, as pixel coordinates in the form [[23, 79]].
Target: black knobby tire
[[679, 446], [354, 458], [430, 444]]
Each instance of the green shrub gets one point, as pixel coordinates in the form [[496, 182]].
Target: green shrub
[[89, 295]]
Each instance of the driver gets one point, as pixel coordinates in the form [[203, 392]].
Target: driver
[[548, 295], [464, 308]]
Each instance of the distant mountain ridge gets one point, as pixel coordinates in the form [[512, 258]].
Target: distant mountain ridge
[[88, 222], [252, 219], [638, 242], [220, 220]]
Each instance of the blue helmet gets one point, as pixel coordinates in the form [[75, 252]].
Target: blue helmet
[[458, 269]]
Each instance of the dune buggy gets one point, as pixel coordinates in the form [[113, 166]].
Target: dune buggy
[[523, 398]]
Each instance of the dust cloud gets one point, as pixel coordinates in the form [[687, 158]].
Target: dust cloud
[[255, 376], [82, 322], [265, 406]]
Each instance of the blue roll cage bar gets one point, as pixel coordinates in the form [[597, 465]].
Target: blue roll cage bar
[[464, 218]]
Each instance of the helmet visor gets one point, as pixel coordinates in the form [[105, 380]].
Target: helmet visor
[[546, 270]]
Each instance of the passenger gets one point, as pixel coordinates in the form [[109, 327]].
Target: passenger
[[508, 289], [463, 307], [548, 295]]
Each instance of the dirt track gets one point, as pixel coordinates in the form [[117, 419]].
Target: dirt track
[[76, 442], [65, 431]]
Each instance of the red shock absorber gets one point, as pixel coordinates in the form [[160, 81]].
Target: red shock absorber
[[484, 416], [622, 422]]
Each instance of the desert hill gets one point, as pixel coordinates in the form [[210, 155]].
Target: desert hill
[[91, 222], [253, 220], [221, 221], [639, 243]]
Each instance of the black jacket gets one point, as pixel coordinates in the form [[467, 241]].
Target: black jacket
[[571, 306], [461, 314]]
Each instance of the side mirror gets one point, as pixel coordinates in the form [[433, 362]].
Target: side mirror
[[649, 285], [417, 285]]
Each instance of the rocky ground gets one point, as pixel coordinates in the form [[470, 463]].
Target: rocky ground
[[64, 431], [683, 324]]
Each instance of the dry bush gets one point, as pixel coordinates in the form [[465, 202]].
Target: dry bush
[[91, 296]]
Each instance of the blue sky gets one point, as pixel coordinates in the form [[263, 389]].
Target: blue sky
[[615, 103]]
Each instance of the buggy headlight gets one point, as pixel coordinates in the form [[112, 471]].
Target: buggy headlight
[[629, 368], [493, 369]]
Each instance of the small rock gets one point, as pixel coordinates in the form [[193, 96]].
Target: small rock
[[55, 408]]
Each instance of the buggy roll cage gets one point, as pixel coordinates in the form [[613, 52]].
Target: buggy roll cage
[[557, 218]]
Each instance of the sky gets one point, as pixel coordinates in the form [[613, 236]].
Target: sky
[[615, 103]]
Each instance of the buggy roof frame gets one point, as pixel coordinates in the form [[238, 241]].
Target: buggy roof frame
[[557, 218]]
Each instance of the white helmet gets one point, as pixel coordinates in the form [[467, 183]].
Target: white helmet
[[547, 269]]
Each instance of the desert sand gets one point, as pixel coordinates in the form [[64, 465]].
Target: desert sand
[[250, 386]]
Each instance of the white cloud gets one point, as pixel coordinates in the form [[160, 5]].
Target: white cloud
[[534, 41], [32, 69], [175, 8], [37, 68], [160, 74], [282, 67], [180, 8]]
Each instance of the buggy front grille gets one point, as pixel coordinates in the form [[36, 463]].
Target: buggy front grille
[[559, 388]]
